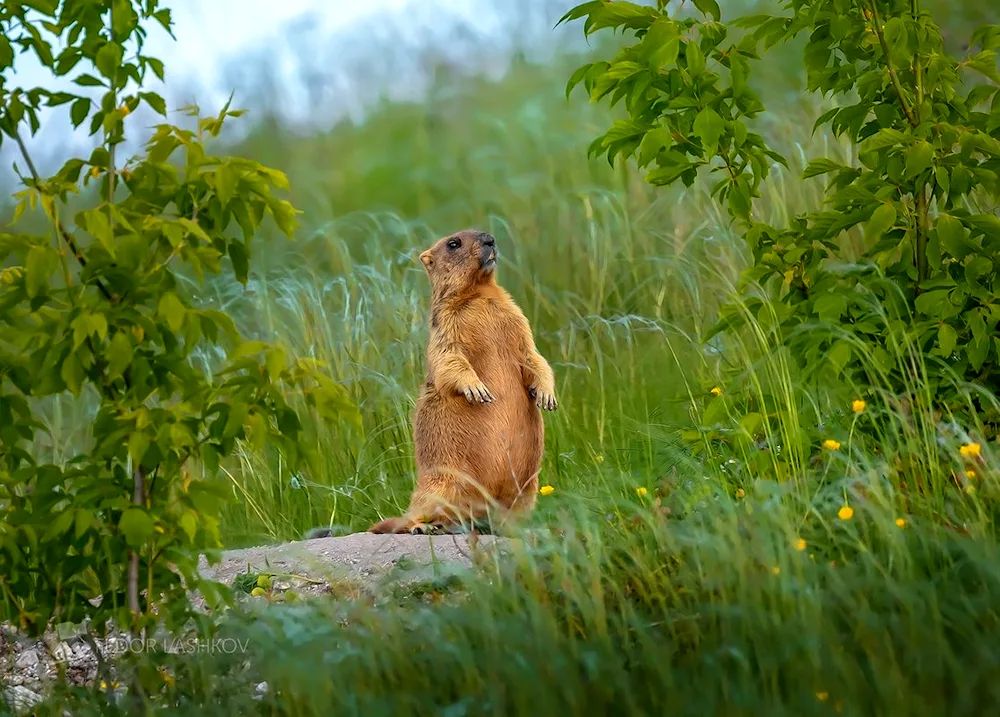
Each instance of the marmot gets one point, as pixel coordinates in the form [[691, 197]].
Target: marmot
[[478, 430]]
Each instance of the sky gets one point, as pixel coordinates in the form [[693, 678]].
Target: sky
[[318, 53]]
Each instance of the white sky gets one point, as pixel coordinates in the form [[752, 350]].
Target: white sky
[[328, 58]]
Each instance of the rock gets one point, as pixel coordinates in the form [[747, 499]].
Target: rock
[[260, 690], [362, 558], [27, 660], [342, 567], [21, 698], [62, 652]]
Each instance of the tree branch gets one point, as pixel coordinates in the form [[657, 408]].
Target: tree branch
[[893, 77], [66, 236]]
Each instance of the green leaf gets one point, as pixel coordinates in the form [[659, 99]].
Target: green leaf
[[79, 111], [977, 351], [189, 524], [241, 261], [709, 7], [84, 519], [6, 53], [155, 102], [37, 269], [821, 166], [72, 373], [108, 59], [123, 18], [896, 39], [58, 525], [918, 159], [210, 459], [932, 303], [137, 527], [118, 355], [225, 183], [138, 444], [284, 216], [739, 197], [661, 44], [952, 235], [883, 219], [883, 139], [985, 63], [694, 57], [237, 417], [947, 338], [171, 310], [98, 226], [708, 127], [258, 432], [839, 355], [830, 307], [88, 81]]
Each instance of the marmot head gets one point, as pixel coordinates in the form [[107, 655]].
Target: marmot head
[[461, 261]]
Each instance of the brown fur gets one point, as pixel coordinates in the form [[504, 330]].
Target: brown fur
[[478, 430]]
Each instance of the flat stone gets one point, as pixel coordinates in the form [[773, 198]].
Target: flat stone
[[360, 557]]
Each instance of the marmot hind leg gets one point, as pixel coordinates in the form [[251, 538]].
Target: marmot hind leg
[[441, 504]]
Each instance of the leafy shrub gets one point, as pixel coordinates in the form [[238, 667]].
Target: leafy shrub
[[900, 262], [95, 305]]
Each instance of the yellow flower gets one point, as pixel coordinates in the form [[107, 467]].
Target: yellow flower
[[900, 522], [831, 445], [775, 570], [824, 696], [546, 490], [740, 493], [641, 491], [8, 275], [598, 459], [167, 677], [846, 512], [858, 405], [716, 391], [970, 450], [124, 111], [800, 545], [95, 172], [970, 474]]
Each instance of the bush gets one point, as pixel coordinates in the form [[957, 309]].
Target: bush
[[94, 306]]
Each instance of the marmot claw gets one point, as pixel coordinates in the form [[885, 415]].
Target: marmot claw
[[478, 394], [545, 401]]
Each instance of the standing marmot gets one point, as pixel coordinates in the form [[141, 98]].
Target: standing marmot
[[478, 431]]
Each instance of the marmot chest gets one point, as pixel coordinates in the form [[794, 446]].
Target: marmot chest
[[491, 337]]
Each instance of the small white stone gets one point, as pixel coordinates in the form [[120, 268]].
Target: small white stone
[[28, 658], [21, 698]]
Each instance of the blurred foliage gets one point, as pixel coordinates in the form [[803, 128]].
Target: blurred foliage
[[92, 310]]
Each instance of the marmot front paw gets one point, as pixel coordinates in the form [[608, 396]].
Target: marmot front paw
[[544, 399], [477, 393]]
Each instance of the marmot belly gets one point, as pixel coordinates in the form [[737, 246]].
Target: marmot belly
[[499, 444]]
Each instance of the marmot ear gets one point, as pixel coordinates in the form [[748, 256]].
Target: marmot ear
[[425, 258]]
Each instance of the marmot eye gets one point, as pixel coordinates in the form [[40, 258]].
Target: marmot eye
[[454, 243]]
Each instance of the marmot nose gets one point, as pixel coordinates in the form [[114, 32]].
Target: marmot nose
[[487, 240]]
